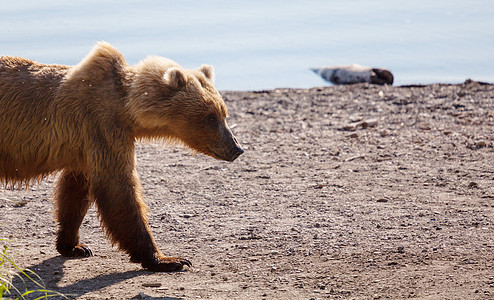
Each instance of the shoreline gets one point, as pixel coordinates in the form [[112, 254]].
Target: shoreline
[[413, 85]]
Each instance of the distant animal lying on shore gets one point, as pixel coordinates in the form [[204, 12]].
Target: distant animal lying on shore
[[355, 73]]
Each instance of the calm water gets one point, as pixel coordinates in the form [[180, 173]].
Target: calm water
[[265, 44]]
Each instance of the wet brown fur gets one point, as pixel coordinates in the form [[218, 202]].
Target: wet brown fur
[[84, 121]]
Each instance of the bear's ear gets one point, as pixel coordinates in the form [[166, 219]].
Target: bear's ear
[[208, 71], [175, 78]]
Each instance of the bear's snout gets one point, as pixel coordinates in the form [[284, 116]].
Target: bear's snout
[[232, 149], [236, 152], [227, 148]]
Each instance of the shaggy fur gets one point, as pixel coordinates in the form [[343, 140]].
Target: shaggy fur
[[84, 120]]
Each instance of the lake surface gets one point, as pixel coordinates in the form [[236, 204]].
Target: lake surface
[[265, 44]]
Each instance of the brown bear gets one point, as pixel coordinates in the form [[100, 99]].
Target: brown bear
[[84, 120]]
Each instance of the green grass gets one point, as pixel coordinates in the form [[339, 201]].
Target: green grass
[[9, 270]]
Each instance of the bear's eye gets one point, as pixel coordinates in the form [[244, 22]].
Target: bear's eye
[[211, 119]]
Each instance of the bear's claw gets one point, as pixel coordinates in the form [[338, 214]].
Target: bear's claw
[[77, 251], [82, 251], [187, 262], [167, 264]]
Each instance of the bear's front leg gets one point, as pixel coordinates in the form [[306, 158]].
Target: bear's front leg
[[72, 202], [124, 217]]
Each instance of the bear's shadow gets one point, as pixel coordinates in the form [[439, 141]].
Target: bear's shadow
[[50, 271]]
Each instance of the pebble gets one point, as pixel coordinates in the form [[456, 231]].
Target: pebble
[[481, 144], [369, 123], [355, 118], [473, 184], [141, 295], [151, 284], [364, 124], [354, 158], [350, 127], [20, 203]]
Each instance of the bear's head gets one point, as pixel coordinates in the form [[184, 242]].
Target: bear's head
[[167, 101]]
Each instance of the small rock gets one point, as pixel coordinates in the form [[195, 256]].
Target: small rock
[[481, 144], [141, 295], [354, 158], [350, 127], [382, 200], [369, 123], [355, 118], [151, 284], [20, 203], [473, 184], [353, 135]]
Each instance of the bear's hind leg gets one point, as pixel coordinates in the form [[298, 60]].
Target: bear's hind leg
[[72, 203]]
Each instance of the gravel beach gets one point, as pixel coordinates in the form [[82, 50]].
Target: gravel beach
[[343, 192]]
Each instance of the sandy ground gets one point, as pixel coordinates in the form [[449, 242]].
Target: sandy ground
[[344, 192]]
